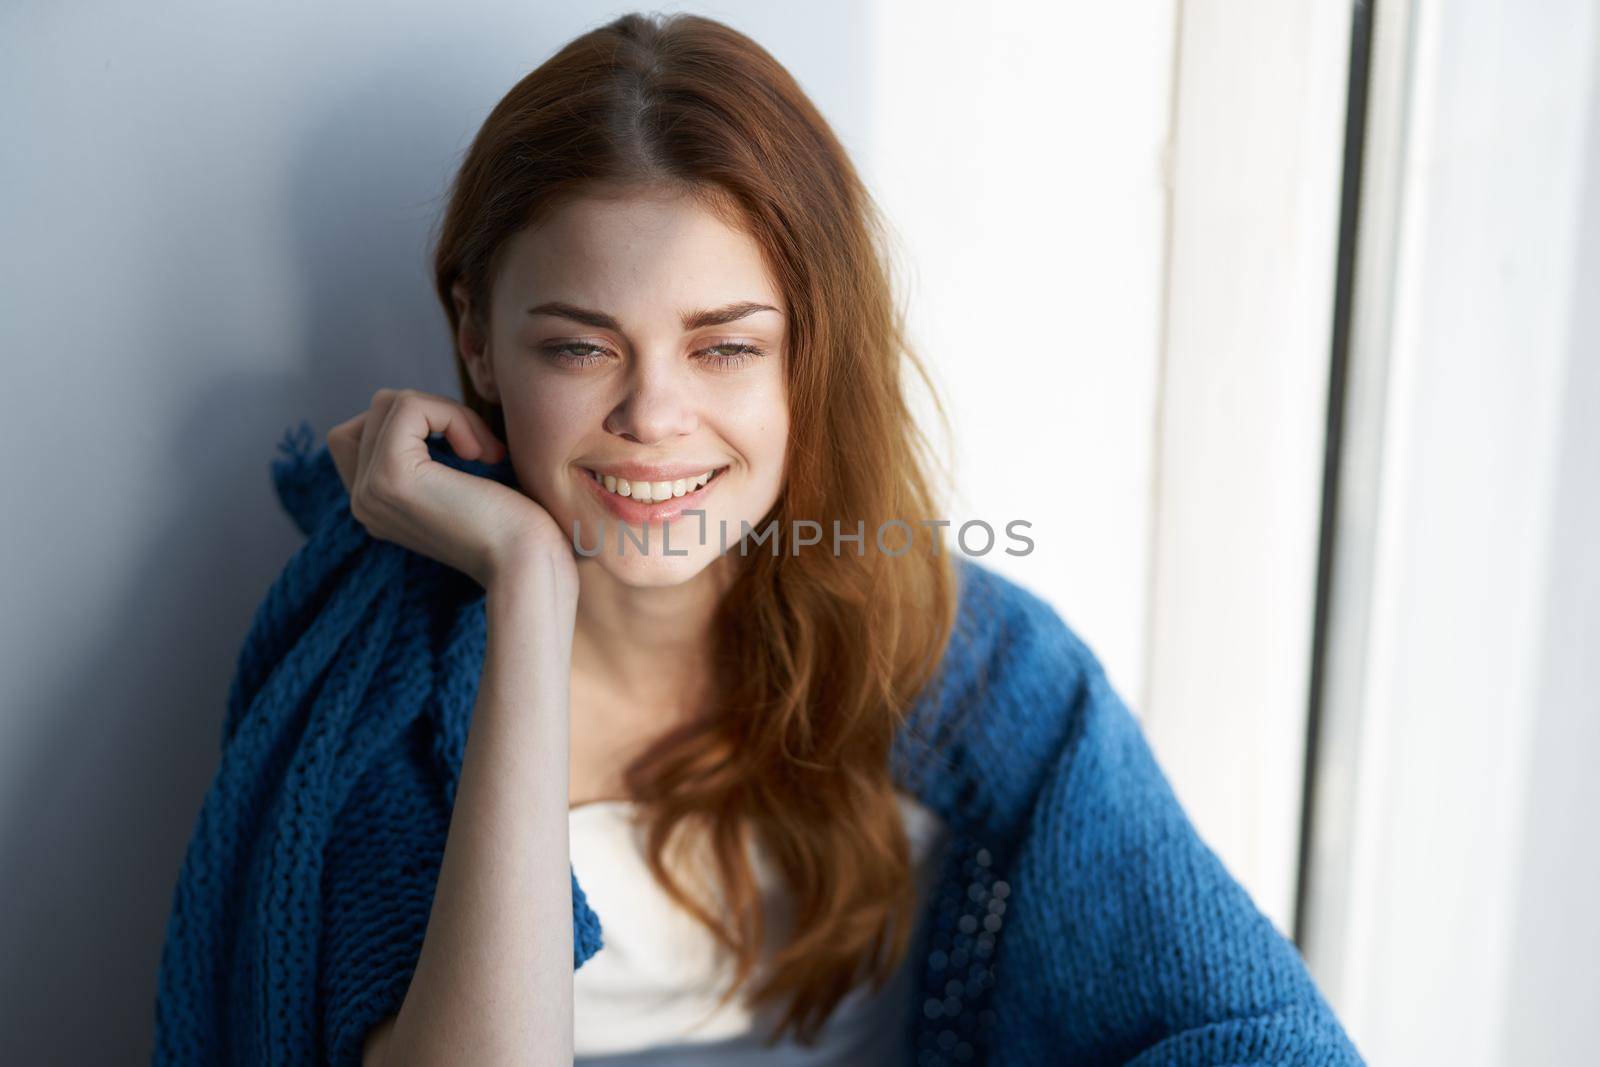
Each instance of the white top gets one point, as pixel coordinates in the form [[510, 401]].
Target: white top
[[648, 997]]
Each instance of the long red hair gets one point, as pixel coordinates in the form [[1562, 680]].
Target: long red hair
[[819, 656]]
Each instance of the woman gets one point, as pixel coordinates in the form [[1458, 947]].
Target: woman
[[802, 781]]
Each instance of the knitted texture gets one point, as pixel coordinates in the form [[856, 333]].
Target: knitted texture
[[1077, 918]]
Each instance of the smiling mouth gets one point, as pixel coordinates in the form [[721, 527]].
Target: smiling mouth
[[653, 492]]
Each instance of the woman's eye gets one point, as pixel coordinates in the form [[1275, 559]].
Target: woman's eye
[[576, 354], [732, 354], [723, 356]]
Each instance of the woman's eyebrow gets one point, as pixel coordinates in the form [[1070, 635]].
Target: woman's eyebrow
[[692, 320]]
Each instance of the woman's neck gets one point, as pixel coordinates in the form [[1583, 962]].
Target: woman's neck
[[649, 647]]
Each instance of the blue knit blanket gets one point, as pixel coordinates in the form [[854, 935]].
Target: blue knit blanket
[[1078, 917]]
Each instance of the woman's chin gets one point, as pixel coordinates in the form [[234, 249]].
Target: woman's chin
[[654, 570]]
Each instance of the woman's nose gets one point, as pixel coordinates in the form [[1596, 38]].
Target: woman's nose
[[660, 405]]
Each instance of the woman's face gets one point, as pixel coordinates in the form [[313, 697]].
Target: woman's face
[[641, 340]]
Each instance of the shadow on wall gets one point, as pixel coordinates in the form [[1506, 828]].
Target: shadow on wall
[[99, 820]]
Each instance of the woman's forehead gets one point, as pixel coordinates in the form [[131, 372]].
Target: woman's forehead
[[648, 256]]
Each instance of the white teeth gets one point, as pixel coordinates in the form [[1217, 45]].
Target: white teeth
[[649, 492]]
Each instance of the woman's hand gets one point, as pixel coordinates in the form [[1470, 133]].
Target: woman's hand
[[402, 494]]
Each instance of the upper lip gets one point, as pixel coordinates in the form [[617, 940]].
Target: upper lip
[[652, 472]]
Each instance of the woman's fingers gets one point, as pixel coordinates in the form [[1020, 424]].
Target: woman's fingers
[[399, 495], [494, 448], [344, 445], [382, 404], [412, 415], [467, 432]]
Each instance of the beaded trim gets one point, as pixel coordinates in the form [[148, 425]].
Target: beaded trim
[[953, 1019]]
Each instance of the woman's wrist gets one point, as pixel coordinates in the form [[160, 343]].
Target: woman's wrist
[[535, 574]]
